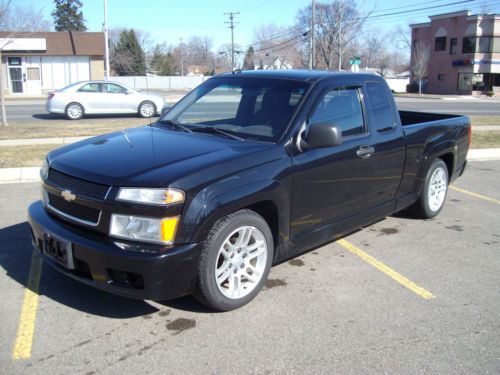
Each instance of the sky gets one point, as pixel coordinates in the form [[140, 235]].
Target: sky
[[169, 20]]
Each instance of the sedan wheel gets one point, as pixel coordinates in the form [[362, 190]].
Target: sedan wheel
[[147, 109], [74, 111]]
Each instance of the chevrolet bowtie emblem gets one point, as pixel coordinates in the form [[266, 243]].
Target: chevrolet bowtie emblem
[[68, 195]]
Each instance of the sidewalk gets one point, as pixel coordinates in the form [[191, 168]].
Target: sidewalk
[[32, 174]]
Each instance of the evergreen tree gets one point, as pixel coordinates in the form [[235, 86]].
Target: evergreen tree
[[68, 16], [248, 63], [161, 62], [127, 56]]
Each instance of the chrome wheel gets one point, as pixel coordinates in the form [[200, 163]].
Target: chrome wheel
[[74, 111], [241, 262], [437, 189], [147, 109]]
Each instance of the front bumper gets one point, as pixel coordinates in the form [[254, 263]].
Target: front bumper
[[146, 272]]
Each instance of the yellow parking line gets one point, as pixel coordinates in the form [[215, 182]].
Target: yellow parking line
[[387, 270], [475, 195], [26, 328]]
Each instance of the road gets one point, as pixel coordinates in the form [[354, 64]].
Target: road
[[327, 311], [33, 111]]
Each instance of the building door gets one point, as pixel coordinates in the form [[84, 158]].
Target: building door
[[16, 80]]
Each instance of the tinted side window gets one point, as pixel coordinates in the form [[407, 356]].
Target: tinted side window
[[341, 107], [383, 114], [115, 89], [91, 87]]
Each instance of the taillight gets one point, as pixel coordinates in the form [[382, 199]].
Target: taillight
[[469, 133], [51, 95]]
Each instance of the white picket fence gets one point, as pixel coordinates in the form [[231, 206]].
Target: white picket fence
[[160, 82]]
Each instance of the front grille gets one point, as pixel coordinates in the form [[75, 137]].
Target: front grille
[[74, 210], [77, 186]]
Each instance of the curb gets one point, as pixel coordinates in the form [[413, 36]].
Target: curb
[[32, 174], [17, 175], [41, 141]]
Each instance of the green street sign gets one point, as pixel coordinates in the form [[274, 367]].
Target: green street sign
[[355, 61]]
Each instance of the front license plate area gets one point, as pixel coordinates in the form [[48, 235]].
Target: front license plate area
[[59, 250]]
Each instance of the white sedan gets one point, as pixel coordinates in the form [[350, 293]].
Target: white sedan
[[102, 97]]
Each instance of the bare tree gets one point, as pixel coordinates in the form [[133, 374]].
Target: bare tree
[[374, 48], [15, 18], [278, 45], [402, 38], [338, 24], [419, 62]]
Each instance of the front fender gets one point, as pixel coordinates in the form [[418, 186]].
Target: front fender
[[200, 218]]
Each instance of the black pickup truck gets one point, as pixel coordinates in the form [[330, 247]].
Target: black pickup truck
[[247, 170]]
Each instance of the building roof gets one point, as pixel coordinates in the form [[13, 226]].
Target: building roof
[[63, 43]]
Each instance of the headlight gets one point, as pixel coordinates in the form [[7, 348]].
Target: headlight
[[144, 229], [44, 171], [151, 196]]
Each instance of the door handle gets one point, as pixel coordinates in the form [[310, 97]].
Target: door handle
[[365, 152]]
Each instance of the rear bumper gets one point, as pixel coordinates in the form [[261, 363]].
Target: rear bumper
[[101, 263]]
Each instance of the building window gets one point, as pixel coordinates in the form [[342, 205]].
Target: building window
[[453, 46], [469, 44], [440, 77], [485, 44], [471, 81], [440, 44], [496, 44]]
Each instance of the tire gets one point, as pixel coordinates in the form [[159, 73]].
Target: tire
[[242, 267], [433, 196], [146, 109], [74, 111]]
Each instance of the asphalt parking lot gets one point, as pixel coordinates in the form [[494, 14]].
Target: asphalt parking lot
[[401, 296]]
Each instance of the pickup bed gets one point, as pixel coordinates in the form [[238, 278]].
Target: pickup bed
[[249, 169]]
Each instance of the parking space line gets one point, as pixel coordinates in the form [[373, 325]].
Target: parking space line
[[483, 197], [26, 328], [387, 270]]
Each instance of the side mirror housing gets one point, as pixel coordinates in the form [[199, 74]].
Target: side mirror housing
[[321, 134]]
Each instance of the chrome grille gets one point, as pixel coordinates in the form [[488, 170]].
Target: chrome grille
[[75, 211], [77, 186]]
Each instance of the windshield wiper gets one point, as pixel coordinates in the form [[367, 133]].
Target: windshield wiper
[[211, 129], [175, 124]]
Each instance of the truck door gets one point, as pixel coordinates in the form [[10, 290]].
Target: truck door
[[335, 183]]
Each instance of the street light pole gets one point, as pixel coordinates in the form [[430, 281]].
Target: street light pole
[[182, 58], [106, 40]]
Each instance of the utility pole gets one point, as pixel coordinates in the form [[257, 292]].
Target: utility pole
[[106, 40], [312, 46], [231, 26], [182, 58]]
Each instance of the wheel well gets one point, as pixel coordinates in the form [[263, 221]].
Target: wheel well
[[71, 103], [448, 160], [146, 101], [269, 212]]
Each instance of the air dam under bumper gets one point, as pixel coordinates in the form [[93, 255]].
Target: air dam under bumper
[[100, 263]]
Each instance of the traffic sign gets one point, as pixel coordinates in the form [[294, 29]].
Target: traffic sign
[[355, 61]]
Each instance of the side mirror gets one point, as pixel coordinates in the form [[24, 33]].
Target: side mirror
[[321, 134]]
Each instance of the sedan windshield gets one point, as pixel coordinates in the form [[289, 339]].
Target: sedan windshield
[[244, 107]]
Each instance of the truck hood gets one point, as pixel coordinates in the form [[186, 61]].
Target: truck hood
[[148, 156]]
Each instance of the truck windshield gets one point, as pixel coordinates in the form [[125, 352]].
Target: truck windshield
[[248, 108]]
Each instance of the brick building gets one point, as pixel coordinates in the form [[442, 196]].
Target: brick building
[[464, 53], [39, 62]]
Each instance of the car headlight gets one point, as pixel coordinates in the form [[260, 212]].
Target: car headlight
[[44, 171], [151, 196], [146, 229]]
